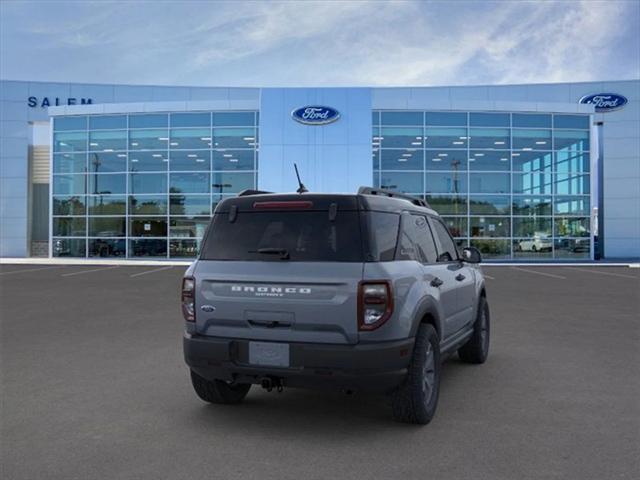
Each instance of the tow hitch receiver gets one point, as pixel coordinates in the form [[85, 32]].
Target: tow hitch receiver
[[269, 383]]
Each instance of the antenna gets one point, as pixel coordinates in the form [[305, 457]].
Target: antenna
[[301, 188]]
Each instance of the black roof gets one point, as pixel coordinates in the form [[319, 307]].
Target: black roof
[[365, 199]]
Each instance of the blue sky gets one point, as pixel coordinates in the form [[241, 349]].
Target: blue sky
[[320, 43]]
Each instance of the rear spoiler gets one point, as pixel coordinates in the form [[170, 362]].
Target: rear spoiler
[[249, 191]]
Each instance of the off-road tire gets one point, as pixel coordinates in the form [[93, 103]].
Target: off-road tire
[[476, 349], [218, 391], [411, 402]]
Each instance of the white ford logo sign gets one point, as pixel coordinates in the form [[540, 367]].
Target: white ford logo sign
[[605, 102], [315, 115]]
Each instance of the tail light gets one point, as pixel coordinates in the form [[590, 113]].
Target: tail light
[[375, 304], [188, 299], [286, 204]]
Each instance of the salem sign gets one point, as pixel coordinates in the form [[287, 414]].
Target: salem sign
[[45, 102]]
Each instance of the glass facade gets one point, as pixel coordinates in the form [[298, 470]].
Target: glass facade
[[145, 185], [514, 185]]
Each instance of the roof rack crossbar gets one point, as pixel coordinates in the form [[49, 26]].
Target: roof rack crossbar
[[390, 193], [249, 191]]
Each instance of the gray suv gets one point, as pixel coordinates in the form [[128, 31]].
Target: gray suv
[[363, 292]]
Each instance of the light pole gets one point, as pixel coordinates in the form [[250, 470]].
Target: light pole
[[221, 186]]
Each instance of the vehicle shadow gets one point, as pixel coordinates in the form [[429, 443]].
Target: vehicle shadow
[[317, 414]]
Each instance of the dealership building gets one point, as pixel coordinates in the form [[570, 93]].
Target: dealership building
[[523, 172]]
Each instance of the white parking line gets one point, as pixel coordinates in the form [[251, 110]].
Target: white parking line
[[29, 270], [600, 272], [488, 276], [150, 271], [540, 273], [88, 271]]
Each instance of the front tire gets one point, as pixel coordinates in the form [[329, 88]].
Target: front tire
[[217, 391], [476, 349], [416, 400]]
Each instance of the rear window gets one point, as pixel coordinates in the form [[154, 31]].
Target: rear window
[[284, 236]]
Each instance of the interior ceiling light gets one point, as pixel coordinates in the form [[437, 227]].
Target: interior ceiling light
[[233, 160], [436, 159], [134, 144], [498, 143], [526, 149], [199, 160], [479, 154], [504, 159], [458, 143], [93, 144], [192, 155], [542, 142], [206, 139], [248, 139], [416, 143], [402, 159], [515, 154], [157, 155], [173, 144], [163, 139], [134, 160], [227, 155], [121, 155], [407, 154], [443, 154]]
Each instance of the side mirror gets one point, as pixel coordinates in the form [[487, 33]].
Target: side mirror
[[471, 255]]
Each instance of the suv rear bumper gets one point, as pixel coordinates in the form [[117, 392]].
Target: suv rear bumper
[[373, 367]]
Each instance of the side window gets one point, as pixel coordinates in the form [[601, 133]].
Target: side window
[[447, 251], [424, 238], [407, 241], [384, 235]]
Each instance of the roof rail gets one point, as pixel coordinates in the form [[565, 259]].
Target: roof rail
[[249, 191], [390, 193]]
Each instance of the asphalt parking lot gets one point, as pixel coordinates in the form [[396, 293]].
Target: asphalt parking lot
[[94, 387]]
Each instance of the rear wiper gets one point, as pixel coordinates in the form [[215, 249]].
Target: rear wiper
[[283, 252]]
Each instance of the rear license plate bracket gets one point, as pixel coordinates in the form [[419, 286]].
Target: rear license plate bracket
[[269, 354]]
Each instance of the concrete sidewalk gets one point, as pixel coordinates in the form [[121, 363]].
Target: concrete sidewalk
[[144, 262]]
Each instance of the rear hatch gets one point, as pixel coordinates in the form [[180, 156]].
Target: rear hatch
[[281, 269]]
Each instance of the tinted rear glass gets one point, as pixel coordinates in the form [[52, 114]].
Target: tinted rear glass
[[383, 236], [305, 236]]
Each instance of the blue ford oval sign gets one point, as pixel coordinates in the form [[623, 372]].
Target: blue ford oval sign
[[315, 115], [605, 102]]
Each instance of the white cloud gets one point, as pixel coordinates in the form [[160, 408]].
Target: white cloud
[[322, 43]]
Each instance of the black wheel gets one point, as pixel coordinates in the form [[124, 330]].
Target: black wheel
[[416, 400], [476, 349], [218, 391]]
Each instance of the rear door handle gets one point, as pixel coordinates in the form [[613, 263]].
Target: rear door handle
[[460, 277], [436, 282]]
